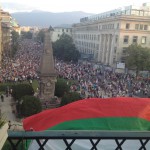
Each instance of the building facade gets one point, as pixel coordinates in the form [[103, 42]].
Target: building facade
[[0, 39], [106, 36], [6, 28], [58, 31]]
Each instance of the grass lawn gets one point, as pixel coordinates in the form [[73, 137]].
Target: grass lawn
[[35, 85]]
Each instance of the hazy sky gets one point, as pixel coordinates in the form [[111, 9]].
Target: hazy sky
[[91, 6]]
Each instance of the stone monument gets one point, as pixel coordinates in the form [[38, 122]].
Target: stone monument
[[47, 71]]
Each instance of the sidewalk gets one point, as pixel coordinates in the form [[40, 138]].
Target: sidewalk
[[7, 109]]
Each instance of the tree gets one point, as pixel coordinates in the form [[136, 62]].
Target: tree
[[21, 90], [61, 87], [30, 106], [138, 58], [40, 36], [65, 49], [26, 35], [70, 97], [15, 39]]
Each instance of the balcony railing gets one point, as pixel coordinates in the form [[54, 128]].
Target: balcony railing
[[94, 137]]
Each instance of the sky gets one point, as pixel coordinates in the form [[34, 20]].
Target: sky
[[89, 6]]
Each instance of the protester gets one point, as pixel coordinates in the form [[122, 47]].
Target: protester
[[90, 81]]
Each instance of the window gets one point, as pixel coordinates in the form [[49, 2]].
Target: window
[[143, 40], [58, 35], [124, 50], [126, 39], [127, 26], [117, 25], [62, 30], [123, 59], [141, 13], [99, 27], [97, 47], [137, 26], [66, 30], [145, 27], [114, 59], [115, 50], [98, 37], [116, 40], [141, 26], [135, 38]]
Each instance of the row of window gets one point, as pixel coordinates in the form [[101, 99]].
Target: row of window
[[87, 44], [138, 26], [95, 37], [64, 30], [135, 39], [140, 12], [85, 51], [87, 36], [113, 26], [108, 26]]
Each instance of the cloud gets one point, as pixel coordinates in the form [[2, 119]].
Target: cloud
[[16, 7]]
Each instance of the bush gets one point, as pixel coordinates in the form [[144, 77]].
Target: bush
[[61, 87], [30, 106], [4, 86], [70, 97], [21, 90]]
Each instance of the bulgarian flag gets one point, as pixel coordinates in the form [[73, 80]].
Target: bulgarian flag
[[95, 114]]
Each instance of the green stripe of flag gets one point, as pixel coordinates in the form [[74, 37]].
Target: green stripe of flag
[[104, 124]]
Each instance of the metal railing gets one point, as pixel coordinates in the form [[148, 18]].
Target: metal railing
[[69, 138]]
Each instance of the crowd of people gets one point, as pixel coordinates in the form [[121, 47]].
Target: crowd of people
[[24, 65], [102, 82], [89, 81]]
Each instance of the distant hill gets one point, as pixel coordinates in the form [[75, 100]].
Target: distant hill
[[45, 19]]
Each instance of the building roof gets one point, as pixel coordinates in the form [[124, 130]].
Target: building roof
[[143, 10]]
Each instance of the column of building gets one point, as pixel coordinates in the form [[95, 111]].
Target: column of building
[[99, 48], [112, 50], [103, 47], [108, 49]]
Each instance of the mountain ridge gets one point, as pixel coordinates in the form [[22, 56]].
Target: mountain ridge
[[45, 19]]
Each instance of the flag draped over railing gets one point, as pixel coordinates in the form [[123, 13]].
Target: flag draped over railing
[[121, 113]]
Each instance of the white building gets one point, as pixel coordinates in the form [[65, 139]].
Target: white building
[[58, 31], [107, 35]]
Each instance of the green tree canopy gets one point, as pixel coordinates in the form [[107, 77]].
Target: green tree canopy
[[15, 39], [65, 49], [61, 87], [138, 58], [30, 106], [70, 97], [26, 35], [21, 90], [40, 36]]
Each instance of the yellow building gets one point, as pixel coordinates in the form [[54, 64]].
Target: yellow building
[[6, 43], [6, 29], [0, 40], [106, 36]]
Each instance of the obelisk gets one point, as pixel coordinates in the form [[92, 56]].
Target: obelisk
[[47, 71]]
